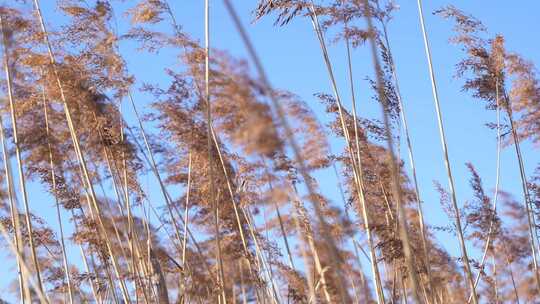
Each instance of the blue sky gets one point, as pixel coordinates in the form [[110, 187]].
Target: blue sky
[[293, 61]]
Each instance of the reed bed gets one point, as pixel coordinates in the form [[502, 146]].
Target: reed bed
[[212, 186]]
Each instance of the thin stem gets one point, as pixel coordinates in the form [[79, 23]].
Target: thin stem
[[186, 216], [509, 265], [300, 212], [396, 180], [57, 201], [22, 179], [442, 135], [412, 164], [533, 236], [212, 188], [496, 194], [14, 212]]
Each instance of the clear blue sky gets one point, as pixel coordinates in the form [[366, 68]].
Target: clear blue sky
[[293, 61]]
